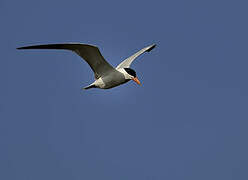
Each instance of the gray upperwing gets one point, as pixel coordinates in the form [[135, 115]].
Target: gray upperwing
[[89, 53], [127, 62]]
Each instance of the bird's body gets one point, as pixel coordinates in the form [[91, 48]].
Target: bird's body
[[106, 76], [113, 79]]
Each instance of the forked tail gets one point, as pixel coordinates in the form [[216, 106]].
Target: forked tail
[[90, 86]]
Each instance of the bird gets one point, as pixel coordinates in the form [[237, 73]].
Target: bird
[[106, 76]]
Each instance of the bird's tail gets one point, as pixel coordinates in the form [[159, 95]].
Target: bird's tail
[[90, 86]]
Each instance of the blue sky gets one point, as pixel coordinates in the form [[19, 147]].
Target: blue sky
[[188, 120]]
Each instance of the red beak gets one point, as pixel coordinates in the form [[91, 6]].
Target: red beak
[[136, 80]]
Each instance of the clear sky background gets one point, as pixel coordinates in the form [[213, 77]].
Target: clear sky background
[[187, 121]]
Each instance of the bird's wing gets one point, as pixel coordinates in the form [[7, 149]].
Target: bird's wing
[[127, 62], [89, 53]]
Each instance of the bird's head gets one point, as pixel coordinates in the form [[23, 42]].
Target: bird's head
[[131, 74]]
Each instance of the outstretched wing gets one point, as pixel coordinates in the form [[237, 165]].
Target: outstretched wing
[[89, 53], [127, 62]]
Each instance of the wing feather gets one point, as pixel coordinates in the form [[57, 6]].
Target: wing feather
[[89, 53], [127, 62]]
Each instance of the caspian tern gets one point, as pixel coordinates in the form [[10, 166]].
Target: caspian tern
[[106, 76]]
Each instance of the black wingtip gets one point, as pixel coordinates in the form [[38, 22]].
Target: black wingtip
[[151, 48], [21, 48], [26, 47]]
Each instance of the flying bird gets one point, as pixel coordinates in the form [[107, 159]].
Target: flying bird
[[106, 76]]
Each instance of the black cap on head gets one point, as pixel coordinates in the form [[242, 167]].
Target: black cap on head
[[130, 72]]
